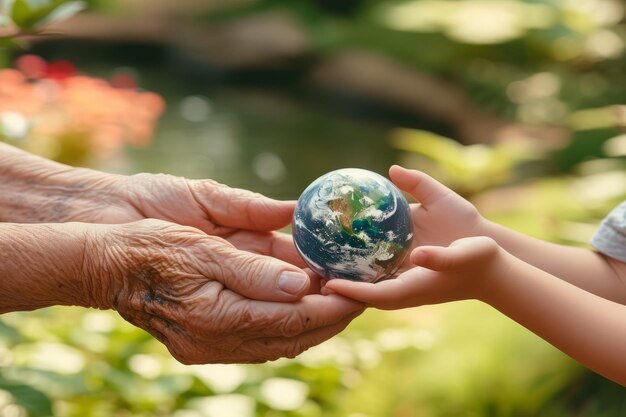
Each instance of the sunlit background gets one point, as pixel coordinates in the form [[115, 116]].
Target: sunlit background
[[518, 105]]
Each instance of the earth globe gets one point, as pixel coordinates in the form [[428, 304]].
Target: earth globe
[[353, 224]]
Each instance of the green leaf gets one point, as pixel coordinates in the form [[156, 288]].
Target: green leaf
[[26, 16], [20, 13], [8, 43], [4, 62], [65, 11], [34, 401]]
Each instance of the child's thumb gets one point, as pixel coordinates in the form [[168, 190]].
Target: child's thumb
[[458, 254]]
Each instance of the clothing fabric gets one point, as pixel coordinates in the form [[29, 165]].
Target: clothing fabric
[[610, 238]]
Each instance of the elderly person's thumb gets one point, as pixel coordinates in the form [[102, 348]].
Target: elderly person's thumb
[[262, 277]]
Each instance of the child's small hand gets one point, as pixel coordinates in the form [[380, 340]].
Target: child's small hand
[[442, 216], [460, 271]]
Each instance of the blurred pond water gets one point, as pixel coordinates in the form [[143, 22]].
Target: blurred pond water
[[264, 135], [258, 140]]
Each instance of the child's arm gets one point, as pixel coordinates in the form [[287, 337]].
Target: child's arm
[[589, 328], [443, 217], [589, 270]]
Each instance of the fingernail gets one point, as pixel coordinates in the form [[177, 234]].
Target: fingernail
[[418, 257], [292, 282]]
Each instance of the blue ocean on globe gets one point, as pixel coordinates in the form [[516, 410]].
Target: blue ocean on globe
[[353, 224]]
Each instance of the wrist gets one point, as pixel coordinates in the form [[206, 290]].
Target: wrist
[[37, 190], [497, 273], [119, 258], [104, 264], [483, 226], [42, 266]]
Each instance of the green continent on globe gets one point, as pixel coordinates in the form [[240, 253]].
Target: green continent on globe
[[352, 224], [353, 206]]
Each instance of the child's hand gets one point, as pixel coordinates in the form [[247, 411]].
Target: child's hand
[[442, 216], [460, 271]]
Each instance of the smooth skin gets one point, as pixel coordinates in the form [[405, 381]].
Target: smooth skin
[[571, 297], [197, 264]]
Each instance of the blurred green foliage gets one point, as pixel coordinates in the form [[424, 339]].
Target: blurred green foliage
[[558, 63], [27, 16], [30, 15], [21, 17], [484, 44]]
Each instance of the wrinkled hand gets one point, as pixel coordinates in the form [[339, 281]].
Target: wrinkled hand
[[198, 294], [207, 205], [247, 220], [460, 271]]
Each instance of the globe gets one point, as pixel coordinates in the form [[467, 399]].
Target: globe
[[352, 224]]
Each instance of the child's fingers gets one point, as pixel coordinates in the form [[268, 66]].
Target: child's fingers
[[422, 187], [459, 254], [438, 258], [376, 295]]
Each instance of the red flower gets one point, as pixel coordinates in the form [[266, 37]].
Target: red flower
[[59, 103], [36, 68], [60, 70], [32, 66]]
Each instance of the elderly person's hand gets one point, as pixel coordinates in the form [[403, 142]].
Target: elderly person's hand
[[36, 190], [211, 292], [196, 293]]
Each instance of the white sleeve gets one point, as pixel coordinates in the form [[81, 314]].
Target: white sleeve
[[610, 238]]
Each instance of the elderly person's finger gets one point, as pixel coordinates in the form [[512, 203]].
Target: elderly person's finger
[[240, 209], [254, 319], [274, 244], [267, 319], [257, 350], [249, 331], [257, 277], [269, 349]]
